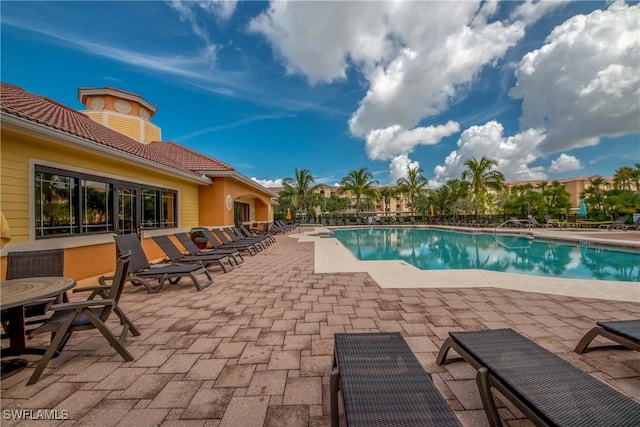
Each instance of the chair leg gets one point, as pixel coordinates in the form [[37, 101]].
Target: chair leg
[[334, 386], [586, 339], [484, 386], [200, 286], [53, 347], [106, 332], [442, 354], [127, 323]]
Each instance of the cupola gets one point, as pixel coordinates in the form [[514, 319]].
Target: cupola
[[124, 112]]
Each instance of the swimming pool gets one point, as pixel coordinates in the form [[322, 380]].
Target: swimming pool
[[429, 249]]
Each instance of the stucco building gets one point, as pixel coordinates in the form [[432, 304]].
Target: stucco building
[[71, 179]]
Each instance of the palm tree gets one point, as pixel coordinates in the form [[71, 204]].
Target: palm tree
[[636, 176], [301, 190], [483, 177], [594, 195], [623, 178], [359, 183], [415, 183], [387, 193]]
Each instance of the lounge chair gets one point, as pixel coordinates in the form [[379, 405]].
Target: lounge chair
[[220, 240], [75, 316], [547, 389], [519, 223], [141, 271], [617, 224], [534, 222], [238, 236], [553, 222], [174, 254], [623, 332], [193, 249], [635, 225], [383, 384], [248, 233]]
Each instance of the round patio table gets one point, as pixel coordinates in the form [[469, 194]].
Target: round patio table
[[14, 294]]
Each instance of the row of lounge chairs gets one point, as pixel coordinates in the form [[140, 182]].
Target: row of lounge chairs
[[383, 383], [225, 251]]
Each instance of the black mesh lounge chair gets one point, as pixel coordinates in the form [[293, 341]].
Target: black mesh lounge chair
[[223, 241], [174, 254], [247, 233], [141, 271], [635, 225], [624, 332], [238, 237], [534, 222], [193, 249], [75, 316], [614, 225], [547, 389], [383, 384]]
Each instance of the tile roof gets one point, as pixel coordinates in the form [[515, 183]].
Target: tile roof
[[39, 109], [188, 158]]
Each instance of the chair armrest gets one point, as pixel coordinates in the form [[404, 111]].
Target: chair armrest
[[82, 304]]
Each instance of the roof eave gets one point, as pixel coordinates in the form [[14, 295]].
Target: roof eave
[[239, 177], [19, 124]]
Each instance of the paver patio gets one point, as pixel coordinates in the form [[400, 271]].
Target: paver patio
[[255, 348]]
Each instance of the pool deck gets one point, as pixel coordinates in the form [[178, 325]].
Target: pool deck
[[332, 257], [255, 348]]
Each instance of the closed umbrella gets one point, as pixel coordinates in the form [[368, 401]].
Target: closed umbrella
[[288, 214], [582, 211], [5, 235], [431, 210]]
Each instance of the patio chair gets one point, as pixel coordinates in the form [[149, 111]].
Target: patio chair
[[76, 316], [624, 332], [383, 383], [553, 222], [193, 249], [635, 225], [544, 387], [238, 237], [141, 271], [223, 241], [248, 233], [43, 263], [534, 222], [174, 254], [617, 224]]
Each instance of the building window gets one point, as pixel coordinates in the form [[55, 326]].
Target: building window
[[55, 203], [62, 197]]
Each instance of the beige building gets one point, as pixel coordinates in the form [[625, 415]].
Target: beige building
[[575, 186]]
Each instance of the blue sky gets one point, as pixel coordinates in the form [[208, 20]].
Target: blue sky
[[549, 89]]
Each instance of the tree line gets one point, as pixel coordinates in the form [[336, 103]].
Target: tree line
[[480, 191]]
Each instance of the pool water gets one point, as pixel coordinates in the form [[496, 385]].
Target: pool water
[[429, 249]]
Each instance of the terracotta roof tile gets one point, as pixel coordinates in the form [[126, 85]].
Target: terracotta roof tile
[[189, 158], [39, 109]]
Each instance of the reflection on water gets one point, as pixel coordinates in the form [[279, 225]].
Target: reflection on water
[[441, 250]]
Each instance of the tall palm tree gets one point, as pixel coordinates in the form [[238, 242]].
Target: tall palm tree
[[387, 193], [302, 190], [594, 195], [636, 176], [623, 178], [415, 183], [483, 177], [359, 183]]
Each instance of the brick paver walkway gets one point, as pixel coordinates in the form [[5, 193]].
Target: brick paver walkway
[[255, 348]]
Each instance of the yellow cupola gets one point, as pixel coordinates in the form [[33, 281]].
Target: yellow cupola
[[124, 112]]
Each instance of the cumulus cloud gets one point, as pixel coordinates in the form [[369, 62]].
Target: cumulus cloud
[[399, 165], [583, 84], [564, 163], [416, 57], [514, 154], [268, 182], [387, 143]]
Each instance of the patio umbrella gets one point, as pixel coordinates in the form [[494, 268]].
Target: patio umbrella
[[582, 211], [431, 210], [288, 214]]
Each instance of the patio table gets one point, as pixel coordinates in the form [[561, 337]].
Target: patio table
[[14, 294]]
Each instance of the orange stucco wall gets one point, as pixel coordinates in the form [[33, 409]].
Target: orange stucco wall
[[213, 210]]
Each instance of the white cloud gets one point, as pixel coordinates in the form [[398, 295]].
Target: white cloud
[[416, 57], [384, 144], [268, 182], [398, 167], [513, 153], [583, 84], [530, 11], [564, 163]]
